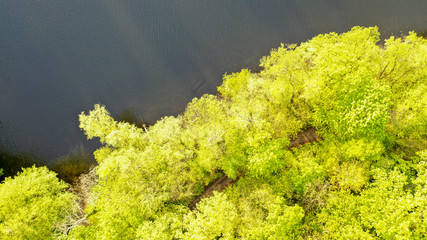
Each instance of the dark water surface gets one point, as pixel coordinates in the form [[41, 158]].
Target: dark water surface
[[60, 57]]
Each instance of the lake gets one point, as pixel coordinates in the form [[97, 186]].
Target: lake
[[148, 58]]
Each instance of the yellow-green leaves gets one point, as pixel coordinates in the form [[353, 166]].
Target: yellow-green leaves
[[33, 205], [235, 83], [268, 159], [350, 176], [342, 87], [387, 209], [364, 180], [216, 217], [350, 83], [262, 213], [204, 127], [404, 63], [100, 124], [409, 118], [362, 111], [168, 224]]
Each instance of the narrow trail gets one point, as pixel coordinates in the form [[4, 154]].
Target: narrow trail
[[307, 136], [218, 185]]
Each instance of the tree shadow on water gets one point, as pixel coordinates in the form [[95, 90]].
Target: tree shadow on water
[[12, 163], [72, 165], [130, 116], [423, 33]]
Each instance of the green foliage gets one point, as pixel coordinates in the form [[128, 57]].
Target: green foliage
[[33, 205], [166, 225], [387, 209], [204, 129], [404, 64], [100, 124], [268, 159], [140, 171], [363, 149], [409, 119], [363, 111], [350, 176], [366, 179], [216, 217], [347, 83], [364, 99], [306, 170], [235, 83], [340, 218], [420, 197], [263, 214], [333, 76]]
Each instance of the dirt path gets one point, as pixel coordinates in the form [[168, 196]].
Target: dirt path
[[219, 185], [307, 136]]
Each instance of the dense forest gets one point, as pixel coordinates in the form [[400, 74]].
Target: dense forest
[[362, 175]]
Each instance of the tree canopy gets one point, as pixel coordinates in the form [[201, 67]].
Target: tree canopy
[[34, 205], [365, 179]]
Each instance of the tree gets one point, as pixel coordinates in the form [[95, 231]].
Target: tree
[[367, 101], [216, 217], [386, 209], [263, 214], [33, 205]]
